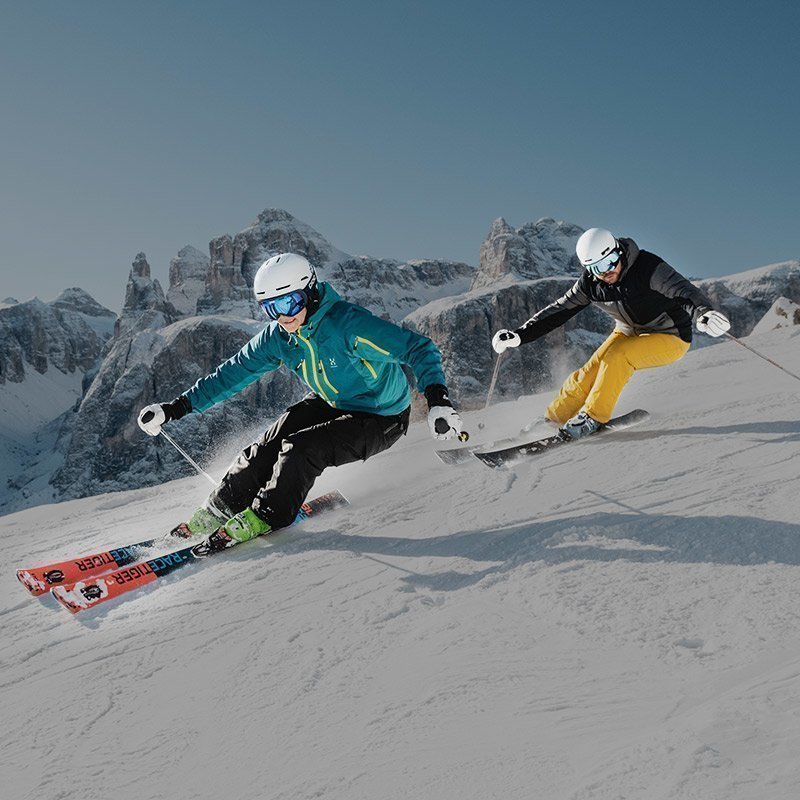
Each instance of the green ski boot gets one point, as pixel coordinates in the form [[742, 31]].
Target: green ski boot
[[203, 521], [242, 527]]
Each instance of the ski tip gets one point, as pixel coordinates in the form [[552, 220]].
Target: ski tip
[[65, 599], [454, 456], [340, 497], [32, 584]]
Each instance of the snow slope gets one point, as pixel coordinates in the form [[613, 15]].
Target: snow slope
[[618, 619]]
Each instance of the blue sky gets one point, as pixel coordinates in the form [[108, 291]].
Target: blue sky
[[395, 129]]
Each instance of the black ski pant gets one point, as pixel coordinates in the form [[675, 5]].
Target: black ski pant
[[275, 474]]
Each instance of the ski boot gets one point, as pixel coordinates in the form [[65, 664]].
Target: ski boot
[[242, 527], [580, 425], [203, 521]]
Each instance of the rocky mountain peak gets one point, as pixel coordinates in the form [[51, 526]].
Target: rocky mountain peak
[[76, 299], [140, 268], [187, 279], [277, 231], [541, 249], [235, 260], [145, 305], [66, 335]]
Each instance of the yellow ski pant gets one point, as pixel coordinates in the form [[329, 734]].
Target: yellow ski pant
[[596, 386]]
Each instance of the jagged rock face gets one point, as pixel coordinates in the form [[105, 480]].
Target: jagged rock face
[[145, 305], [235, 261], [187, 279], [387, 287], [36, 335], [108, 451], [78, 300], [225, 287], [748, 296], [277, 231], [392, 289], [537, 250], [521, 271], [463, 329]]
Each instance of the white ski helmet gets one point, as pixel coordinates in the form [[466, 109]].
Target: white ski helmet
[[282, 274], [598, 250]]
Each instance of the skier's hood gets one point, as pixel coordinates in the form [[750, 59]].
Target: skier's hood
[[328, 296], [631, 253]]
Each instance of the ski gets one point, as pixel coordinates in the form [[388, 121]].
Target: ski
[[463, 455], [501, 458], [38, 580], [94, 590]]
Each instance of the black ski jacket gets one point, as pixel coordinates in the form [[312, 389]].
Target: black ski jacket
[[649, 297]]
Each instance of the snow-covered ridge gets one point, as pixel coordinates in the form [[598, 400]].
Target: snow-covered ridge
[[783, 314]]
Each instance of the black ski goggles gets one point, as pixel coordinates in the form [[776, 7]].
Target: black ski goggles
[[287, 305], [606, 263]]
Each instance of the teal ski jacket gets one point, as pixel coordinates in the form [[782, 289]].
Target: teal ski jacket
[[344, 353]]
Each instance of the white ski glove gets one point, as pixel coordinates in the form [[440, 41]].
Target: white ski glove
[[444, 422], [504, 339], [713, 323], [151, 418]]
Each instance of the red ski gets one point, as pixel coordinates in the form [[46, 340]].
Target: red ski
[[91, 591], [38, 580], [41, 579]]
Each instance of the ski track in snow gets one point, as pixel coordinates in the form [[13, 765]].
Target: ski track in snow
[[616, 619]]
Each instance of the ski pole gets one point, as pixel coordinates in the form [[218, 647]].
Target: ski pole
[[188, 458], [755, 352], [493, 381]]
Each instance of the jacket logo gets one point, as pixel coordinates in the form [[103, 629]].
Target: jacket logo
[[333, 361]]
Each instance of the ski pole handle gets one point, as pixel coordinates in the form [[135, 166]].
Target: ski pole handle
[[441, 426]]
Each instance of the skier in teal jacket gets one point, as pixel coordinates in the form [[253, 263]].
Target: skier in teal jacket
[[359, 403]]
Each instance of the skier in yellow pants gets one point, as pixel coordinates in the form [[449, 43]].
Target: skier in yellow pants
[[654, 307], [596, 386]]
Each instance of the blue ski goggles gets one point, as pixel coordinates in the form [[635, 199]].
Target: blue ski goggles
[[606, 263], [287, 305]]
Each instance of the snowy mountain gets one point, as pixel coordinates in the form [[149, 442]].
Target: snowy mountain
[[748, 296], [164, 340], [389, 288], [619, 621], [783, 314], [47, 353], [187, 279]]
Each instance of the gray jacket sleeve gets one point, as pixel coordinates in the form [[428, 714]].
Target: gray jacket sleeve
[[672, 284]]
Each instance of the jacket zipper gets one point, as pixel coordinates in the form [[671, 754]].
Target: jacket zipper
[[371, 344], [370, 368], [315, 371]]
